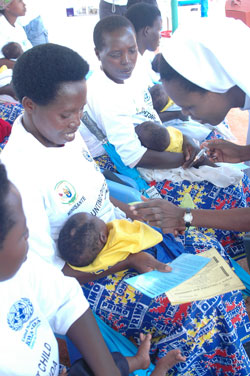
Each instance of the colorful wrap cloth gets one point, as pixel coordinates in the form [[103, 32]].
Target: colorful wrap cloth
[[210, 333]]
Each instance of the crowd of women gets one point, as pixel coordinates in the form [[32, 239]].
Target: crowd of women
[[52, 165]]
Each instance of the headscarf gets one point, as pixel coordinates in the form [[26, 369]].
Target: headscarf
[[212, 53], [4, 3]]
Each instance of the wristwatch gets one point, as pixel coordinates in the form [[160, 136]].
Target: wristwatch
[[188, 217]]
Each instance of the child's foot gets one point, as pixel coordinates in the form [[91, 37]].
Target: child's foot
[[168, 361], [141, 360]]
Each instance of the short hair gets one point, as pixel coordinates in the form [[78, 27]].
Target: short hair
[[130, 3], [153, 136], [78, 242], [6, 220], [168, 73], [40, 71], [109, 25], [142, 15]]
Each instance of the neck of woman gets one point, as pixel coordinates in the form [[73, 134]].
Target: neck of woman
[[237, 96], [140, 44], [10, 18], [30, 128]]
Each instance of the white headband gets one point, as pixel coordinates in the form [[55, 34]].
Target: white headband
[[211, 53]]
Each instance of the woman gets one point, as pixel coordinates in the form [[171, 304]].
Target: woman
[[11, 31], [117, 103], [38, 300], [207, 95], [52, 168]]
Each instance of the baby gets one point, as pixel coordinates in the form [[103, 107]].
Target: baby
[[140, 360], [162, 103], [12, 50], [90, 245], [155, 137]]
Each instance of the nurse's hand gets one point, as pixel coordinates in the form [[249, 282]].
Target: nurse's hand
[[226, 151], [161, 213], [143, 262]]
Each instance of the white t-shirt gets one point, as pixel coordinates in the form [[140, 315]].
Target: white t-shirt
[[36, 302], [143, 69], [9, 33], [117, 109], [54, 184]]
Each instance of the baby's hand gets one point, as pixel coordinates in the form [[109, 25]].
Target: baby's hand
[[204, 162]]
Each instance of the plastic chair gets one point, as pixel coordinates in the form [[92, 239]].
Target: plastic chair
[[123, 192]]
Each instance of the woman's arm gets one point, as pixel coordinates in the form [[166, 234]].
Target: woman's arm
[[142, 262], [9, 63], [169, 218], [86, 336], [165, 159], [84, 277], [161, 159], [170, 115]]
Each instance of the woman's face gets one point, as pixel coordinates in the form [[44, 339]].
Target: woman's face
[[207, 107], [15, 246], [119, 54], [154, 34], [56, 123], [17, 8]]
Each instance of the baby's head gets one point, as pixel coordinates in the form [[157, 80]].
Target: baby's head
[[153, 136], [12, 50], [159, 97], [82, 238]]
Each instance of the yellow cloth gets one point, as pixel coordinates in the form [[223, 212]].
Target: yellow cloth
[[124, 238], [176, 140], [3, 68], [169, 104]]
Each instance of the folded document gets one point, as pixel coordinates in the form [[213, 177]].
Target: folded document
[[193, 277]]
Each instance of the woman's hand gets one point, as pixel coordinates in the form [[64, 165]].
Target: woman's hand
[[143, 262], [162, 214], [190, 150], [226, 151]]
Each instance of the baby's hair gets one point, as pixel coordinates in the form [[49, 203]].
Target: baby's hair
[[109, 25], [142, 15], [6, 220], [40, 71], [12, 50], [153, 136], [168, 73], [78, 242]]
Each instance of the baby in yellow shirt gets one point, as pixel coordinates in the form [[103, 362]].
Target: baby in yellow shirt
[[88, 244], [157, 137]]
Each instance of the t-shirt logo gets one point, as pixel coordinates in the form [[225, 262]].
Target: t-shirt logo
[[20, 312], [66, 192]]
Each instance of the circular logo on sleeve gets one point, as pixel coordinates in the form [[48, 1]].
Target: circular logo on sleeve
[[20, 312]]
